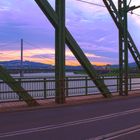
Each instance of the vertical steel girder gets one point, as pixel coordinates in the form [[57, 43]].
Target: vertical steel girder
[[16, 87], [74, 47], [123, 48], [125, 40], [60, 52], [117, 19]]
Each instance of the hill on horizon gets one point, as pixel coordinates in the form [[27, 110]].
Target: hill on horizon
[[15, 64]]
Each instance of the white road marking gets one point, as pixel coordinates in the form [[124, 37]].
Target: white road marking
[[118, 134], [68, 124]]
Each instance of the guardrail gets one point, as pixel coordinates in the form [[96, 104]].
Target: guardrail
[[44, 87]]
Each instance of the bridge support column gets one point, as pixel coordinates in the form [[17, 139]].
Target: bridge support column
[[60, 52], [123, 48]]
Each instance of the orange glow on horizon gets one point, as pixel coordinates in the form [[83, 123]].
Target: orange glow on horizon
[[15, 55]]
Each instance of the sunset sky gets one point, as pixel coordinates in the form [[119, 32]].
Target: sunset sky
[[91, 26]]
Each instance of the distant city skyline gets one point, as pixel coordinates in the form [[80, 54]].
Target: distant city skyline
[[91, 26]]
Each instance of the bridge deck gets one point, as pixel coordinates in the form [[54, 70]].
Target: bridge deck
[[47, 103], [115, 119]]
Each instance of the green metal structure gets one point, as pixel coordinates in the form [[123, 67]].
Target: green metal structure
[[123, 48], [55, 17], [16, 87], [60, 52], [125, 40], [63, 36]]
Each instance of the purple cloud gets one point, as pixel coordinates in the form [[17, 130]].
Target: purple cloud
[[91, 26]]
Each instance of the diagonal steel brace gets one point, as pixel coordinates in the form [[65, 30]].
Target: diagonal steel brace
[[116, 18], [75, 48], [16, 87]]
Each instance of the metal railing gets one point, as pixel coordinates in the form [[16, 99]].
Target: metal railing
[[44, 87]]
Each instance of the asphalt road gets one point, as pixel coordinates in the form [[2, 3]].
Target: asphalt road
[[109, 120]]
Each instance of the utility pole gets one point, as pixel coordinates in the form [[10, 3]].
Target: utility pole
[[21, 59]]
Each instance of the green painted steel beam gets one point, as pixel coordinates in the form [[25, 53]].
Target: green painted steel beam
[[60, 52], [75, 48], [16, 87], [79, 54], [123, 48], [117, 18]]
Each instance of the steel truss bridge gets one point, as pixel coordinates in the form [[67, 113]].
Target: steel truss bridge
[[63, 36]]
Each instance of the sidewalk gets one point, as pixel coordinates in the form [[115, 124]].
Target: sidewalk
[[50, 103]]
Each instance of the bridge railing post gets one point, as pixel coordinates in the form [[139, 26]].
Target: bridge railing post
[[67, 86], [20, 82], [130, 83], [45, 88], [117, 83], [86, 85]]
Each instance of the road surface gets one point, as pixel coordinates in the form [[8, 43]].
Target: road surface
[[117, 119]]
